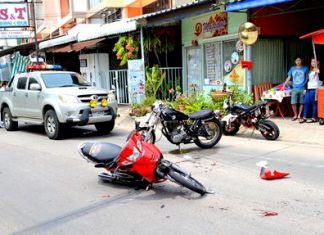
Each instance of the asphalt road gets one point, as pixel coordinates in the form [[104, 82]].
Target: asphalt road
[[47, 188]]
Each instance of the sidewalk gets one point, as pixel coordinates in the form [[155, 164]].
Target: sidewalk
[[290, 131]]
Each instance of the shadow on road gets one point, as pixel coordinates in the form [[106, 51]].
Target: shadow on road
[[159, 192], [73, 132]]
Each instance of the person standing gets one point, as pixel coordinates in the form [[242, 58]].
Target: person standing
[[310, 97], [299, 75]]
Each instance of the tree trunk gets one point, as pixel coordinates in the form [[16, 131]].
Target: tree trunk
[[166, 52], [157, 56]]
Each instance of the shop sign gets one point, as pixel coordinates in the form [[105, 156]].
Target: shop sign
[[14, 15], [15, 34], [211, 25]]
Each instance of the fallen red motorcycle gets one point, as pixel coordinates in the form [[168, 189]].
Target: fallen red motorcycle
[[137, 163]]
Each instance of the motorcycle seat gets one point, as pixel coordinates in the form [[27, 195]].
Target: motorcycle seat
[[201, 114], [100, 152], [245, 107]]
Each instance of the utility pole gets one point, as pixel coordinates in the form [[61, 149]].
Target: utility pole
[[35, 30]]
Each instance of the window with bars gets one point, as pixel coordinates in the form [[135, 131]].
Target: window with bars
[[113, 15], [159, 5]]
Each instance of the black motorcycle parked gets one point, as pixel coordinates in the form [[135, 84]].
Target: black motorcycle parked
[[203, 128], [251, 116]]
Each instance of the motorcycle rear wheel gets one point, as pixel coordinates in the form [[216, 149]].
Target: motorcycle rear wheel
[[187, 181], [272, 133], [213, 139]]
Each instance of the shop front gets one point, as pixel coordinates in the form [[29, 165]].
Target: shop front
[[212, 52]]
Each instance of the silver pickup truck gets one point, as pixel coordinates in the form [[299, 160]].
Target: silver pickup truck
[[56, 99]]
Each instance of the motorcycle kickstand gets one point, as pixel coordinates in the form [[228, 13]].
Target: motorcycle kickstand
[[179, 149], [252, 132]]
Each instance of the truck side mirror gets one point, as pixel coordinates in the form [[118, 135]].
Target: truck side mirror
[[35, 87]]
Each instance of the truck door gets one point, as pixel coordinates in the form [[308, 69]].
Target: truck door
[[19, 97], [33, 108]]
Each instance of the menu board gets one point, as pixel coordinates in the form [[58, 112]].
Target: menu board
[[210, 61], [213, 61]]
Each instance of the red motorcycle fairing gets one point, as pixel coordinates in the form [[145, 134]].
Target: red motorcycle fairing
[[141, 157]]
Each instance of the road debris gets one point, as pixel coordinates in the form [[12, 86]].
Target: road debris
[[267, 174], [269, 213], [105, 195]]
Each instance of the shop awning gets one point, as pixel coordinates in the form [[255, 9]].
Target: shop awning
[[78, 46], [174, 14], [58, 41], [23, 48], [104, 30], [317, 36], [248, 4]]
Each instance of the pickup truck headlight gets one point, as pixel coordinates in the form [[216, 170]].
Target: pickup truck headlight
[[104, 103], [68, 99]]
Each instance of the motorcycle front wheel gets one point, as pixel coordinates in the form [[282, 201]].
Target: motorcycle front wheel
[[231, 130], [149, 137], [209, 134], [187, 181], [269, 130]]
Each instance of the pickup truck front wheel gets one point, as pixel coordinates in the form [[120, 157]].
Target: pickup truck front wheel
[[8, 123], [53, 127], [105, 127]]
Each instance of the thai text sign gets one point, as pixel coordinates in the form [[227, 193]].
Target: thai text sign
[[16, 34], [211, 25], [136, 81], [14, 15]]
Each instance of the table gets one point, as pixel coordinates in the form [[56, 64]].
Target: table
[[275, 96]]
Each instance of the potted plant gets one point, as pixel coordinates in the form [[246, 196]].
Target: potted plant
[[217, 95], [126, 48], [154, 79]]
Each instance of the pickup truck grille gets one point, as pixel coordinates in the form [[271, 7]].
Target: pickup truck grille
[[87, 98]]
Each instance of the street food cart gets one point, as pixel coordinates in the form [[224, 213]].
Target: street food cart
[[318, 38]]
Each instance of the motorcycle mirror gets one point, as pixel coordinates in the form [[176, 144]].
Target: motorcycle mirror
[[248, 33], [130, 135]]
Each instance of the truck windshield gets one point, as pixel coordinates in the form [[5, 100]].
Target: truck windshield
[[53, 80]]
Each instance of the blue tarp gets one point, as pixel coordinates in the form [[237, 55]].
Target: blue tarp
[[247, 4]]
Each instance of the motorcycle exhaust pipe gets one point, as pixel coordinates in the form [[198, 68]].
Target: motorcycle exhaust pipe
[[107, 177]]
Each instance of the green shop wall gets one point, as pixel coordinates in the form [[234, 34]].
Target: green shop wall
[[188, 36]]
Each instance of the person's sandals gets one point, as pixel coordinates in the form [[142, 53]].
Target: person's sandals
[[302, 120], [311, 120], [294, 119]]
